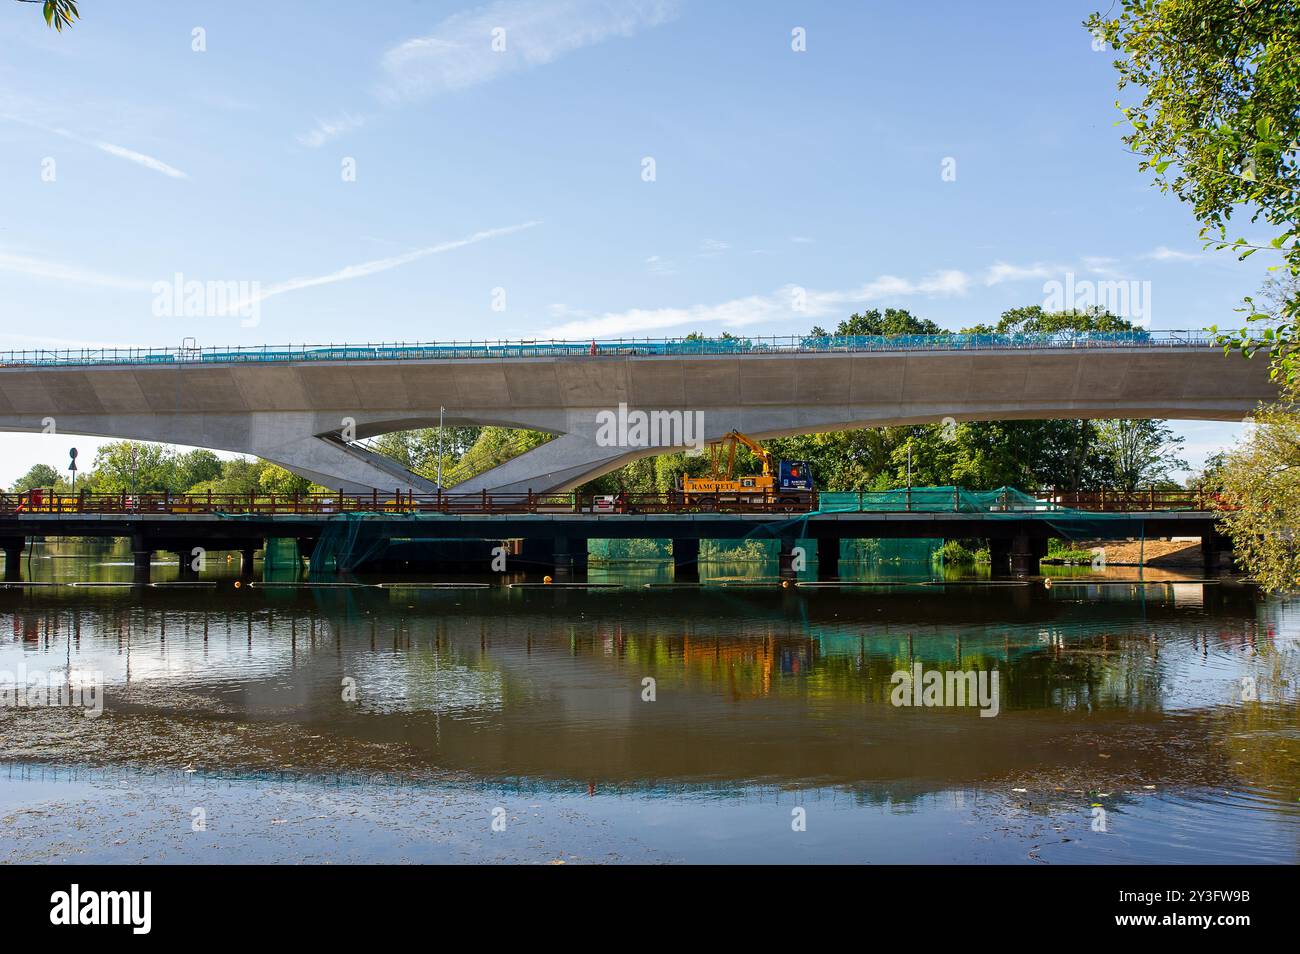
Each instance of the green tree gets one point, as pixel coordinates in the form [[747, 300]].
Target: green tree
[[1142, 454], [276, 480], [1035, 319], [493, 446], [1216, 121], [889, 323], [196, 467], [1210, 477], [417, 450], [134, 467], [238, 476], [40, 476], [1260, 482]]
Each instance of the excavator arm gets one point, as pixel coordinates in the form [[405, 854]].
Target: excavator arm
[[735, 437]]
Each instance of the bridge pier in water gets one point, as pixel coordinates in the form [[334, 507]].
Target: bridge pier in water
[[1025, 552], [1216, 551], [570, 556], [1000, 556], [785, 559], [185, 560], [686, 560], [828, 558], [13, 547], [141, 558]]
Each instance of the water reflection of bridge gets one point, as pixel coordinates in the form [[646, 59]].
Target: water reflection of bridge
[[770, 686]]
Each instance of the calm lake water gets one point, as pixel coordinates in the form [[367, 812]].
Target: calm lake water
[[1135, 721]]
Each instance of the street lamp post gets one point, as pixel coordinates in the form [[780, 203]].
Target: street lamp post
[[441, 409]]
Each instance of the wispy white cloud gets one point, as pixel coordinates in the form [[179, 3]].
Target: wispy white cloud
[[660, 265], [789, 304], [1104, 265], [375, 266], [120, 152], [140, 159], [71, 274], [459, 52], [478, 45], [327, 129], [1000, 272], [1164, 254], [74, 274]]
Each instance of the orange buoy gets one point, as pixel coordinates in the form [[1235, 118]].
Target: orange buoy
[[546, 580]]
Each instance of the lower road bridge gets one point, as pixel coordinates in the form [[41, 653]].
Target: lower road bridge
[[554, 530]]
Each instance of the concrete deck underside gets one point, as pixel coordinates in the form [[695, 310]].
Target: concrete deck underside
[[296, 414]]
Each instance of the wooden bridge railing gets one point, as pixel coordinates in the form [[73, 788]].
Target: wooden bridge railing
[[317, 504]]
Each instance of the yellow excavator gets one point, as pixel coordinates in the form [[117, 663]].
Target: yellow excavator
[[784, 482]]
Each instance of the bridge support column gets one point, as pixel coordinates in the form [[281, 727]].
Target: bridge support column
[[1000, 556], [785, 559], [828, 558], [246, 564], [306, 547], [1216, 551], [141, 558], [1026, 551], [13, 547], [686, 560], [570, 556], [185, 561]]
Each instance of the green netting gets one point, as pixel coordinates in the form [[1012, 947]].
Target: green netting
[[1004, 503], [280, 553], [936, 500], [346, 543]]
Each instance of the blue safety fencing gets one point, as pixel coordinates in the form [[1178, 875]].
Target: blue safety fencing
[[777, 344]]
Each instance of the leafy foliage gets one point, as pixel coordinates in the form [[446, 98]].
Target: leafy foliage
[[1217, 123], [1035, 319], [41, 475], [58, 13], [891, 321], [1260, 481], [1140, 453]]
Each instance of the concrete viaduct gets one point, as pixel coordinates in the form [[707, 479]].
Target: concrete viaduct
[[299, 408]]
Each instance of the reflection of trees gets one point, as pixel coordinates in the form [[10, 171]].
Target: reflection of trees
[[1261, 739], [1040, 670]]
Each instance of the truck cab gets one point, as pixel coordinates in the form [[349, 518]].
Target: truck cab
[[795, 475]]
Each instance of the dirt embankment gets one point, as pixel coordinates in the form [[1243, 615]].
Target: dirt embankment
[[1160, 553]]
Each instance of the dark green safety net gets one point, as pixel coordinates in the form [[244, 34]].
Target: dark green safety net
[[1004, 503]]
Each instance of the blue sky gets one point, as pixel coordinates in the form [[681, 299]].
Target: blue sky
[[479, 170]]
